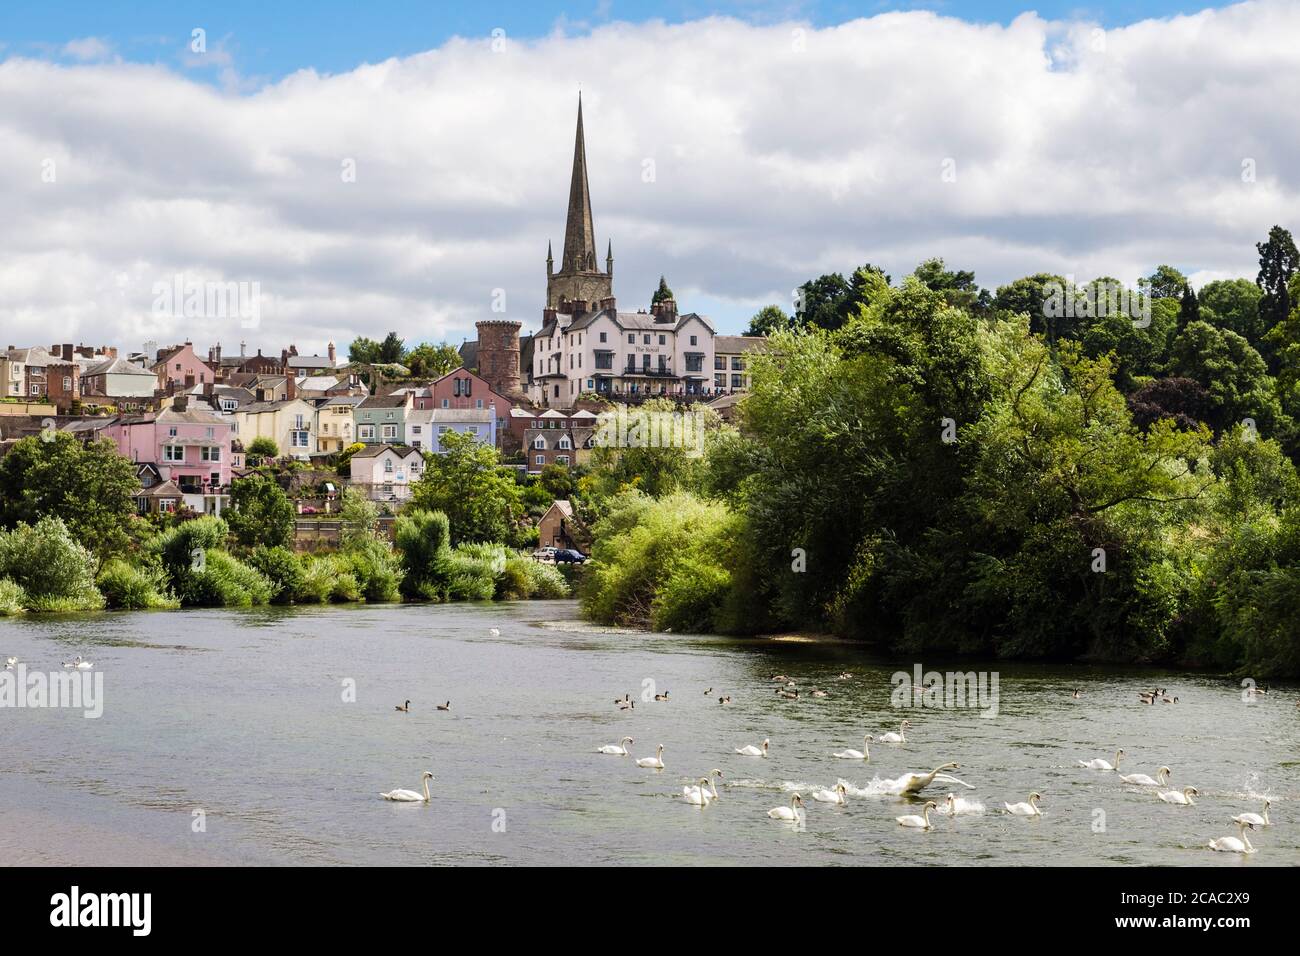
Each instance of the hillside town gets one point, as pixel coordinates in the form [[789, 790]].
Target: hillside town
[[193, 418]]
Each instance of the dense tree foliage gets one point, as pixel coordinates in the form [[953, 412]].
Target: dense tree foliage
[[468, 485]]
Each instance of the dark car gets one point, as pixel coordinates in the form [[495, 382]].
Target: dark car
[[569, 556]]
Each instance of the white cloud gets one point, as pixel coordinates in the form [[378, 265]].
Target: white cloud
[[775, 160], [87, 49]]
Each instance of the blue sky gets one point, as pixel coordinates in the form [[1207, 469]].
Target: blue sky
[[267, 40]]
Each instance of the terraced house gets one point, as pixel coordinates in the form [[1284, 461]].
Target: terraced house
[[188, 446], [381, 419]]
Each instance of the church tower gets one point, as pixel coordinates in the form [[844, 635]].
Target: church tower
[[579, 285]]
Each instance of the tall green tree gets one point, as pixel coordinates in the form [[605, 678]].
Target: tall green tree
[[87, 487], [1278, 261], [768, 319], [467, 483], [432, 361], [261, 514]]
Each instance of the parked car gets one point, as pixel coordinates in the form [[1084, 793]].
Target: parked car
[[545, 554], [569, 556]]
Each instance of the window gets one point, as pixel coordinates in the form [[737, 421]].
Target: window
[[645, 339], [540, 460], [167, 505], [299, 438], [737, 381], [604, 360], [694, 361], [562, 459], [631, 339], [478, 403], [390, 431], [720, 381], [415, 429], [446, 403], [737, 364], [366, 432], [209, 433], [388, 466], [297, 421], [720, 363], [693, 340], [171, 433], [564, 443], [645, 362], [662, 340], [67, 382], [602, 336], [539, 441], [210, 454], [173, 453]]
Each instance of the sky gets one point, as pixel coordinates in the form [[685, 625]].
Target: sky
[[355, 168]]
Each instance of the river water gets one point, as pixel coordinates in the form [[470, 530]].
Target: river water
[[231, 736]]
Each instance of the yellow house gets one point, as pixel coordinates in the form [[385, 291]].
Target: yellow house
[[290, 423], [334, 429]]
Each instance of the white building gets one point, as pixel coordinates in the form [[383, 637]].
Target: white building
[[385, 472]]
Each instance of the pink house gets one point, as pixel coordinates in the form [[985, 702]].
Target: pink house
[[179, 368], [189, 446], [463, 389]]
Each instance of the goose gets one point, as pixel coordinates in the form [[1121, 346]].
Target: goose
[[446, 706], [1076, 695], [1181, 797], [1029, 809], [663, 696], [846, 676], [781, 677], [699, 796], [627, 705], [895, 738], [819, 693], [1254, 819], [653, 763], [410, 796], [708, 692], [404, 708], [1099, 764], [788, 694], [1238, 844], [863, 754], [921, 822], [912, 782], [1170, 700], [790, 813], [725, 700], [749, 750], [617, 750], [838, 795], [625, 699], [1142, 780], [494, 631]]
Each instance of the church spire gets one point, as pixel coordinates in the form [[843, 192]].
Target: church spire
[[579, 234]]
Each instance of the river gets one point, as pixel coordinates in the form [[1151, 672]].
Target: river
[[230, 736]]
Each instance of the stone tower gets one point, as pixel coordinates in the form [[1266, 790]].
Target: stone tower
[[579, 279], [498, 355]]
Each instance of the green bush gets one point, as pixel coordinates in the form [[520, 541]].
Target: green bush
[[282, 568], [222, 580], [376, 569], [56, 572], [688, 600], [13, 599], [525, 578], [128, 587]]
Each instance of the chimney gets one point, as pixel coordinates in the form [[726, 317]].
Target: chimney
[[218, 353], [243, 349], [290, 387], [329, 350], [67, 351], [180, 403]]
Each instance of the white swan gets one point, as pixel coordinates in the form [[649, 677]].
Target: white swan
[[617, 750], [1181, 797], [1099, 764], [1142, 780], [921, 822], [749, 750], [954, 805], [410, 796], [838, 795], [790, 813], [912, 782], [895, 738], [1254, 819], [1238, 844], [863, 754], [705, 793], [10, 662], [494, 631], [1029, 809], [653, 763]]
